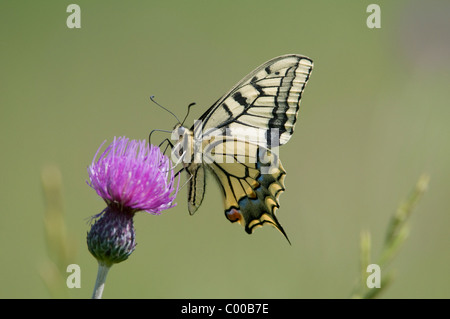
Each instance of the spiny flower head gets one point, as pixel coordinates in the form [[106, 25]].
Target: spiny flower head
[[130, 176], [134, 175]]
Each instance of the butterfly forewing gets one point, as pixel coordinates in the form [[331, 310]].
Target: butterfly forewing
[[267, 99]]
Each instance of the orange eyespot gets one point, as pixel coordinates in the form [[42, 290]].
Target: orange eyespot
[[234, 215]]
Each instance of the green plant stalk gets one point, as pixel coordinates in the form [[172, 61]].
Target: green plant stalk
[[398, 230], [386, 280], [60, 246], [365, 251], [396, 235], [102, 272]]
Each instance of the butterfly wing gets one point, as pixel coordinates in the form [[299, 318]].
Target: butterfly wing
[[267, 99], [196, 186], [251, 179]]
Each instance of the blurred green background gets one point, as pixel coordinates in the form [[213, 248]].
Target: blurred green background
[[374, 117]]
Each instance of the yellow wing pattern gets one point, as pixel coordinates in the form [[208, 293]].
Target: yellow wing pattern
[[248, 171], [251, 198]]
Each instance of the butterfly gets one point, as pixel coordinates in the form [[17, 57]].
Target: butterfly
[[237, 141]]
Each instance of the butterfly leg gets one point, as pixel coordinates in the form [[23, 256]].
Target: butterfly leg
[[169, 144], [178, 173]]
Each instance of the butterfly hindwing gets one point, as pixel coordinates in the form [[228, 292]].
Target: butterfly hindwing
[[251, 179]]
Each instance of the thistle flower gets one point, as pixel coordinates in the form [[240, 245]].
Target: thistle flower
[[130, 176]]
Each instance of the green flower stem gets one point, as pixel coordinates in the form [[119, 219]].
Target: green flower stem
[[101, 279], [365, 249], [397, 233]]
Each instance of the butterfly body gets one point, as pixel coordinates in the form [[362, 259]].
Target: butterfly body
[[237, 141]]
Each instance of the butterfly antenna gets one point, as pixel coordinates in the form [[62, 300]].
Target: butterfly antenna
[[189, 109], [153, 100], [155, 130]]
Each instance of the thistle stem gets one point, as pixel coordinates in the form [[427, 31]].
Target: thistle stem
[[100, 282]]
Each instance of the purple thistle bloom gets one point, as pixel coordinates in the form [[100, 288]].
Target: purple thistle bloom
[[130, 176], [133, 175]]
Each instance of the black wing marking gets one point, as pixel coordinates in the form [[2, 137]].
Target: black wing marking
[[267, 99]]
